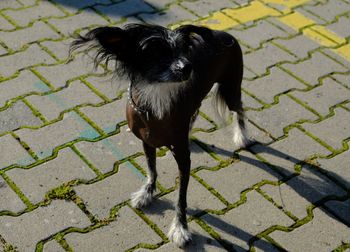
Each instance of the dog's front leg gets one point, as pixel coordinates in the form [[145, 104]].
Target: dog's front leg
[[144, 196], [178, 232]]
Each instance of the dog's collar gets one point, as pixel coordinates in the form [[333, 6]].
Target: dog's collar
[[134, 105]]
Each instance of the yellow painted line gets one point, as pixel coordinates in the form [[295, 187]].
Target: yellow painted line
[[296, 21], [256, 10], [218, 21], [343, 51]]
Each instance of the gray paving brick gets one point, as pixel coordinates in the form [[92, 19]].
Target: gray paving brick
[[9, 200], [341, 209], [26, 16], [71, 24], [234, 179], [161, 4], [340, 58], [261, 32], [74, 5], [126, 232], [5, 25], [58, 48], [263, 245], [340, 27], [3, 51], [202, 123], [311, 70], [28, 2], [20, 60], [58, 75], [18, 38], [108, 85], [66, 167], [107, 116], [126, 8], [240, 224], [330, 10], [26, 230], [167, 167], [204, 7], [268, 56], [277, 82], [12, 152], [221, 143], [53, 246], [53, 104], [43, 140], [24, 84], [277, 117], [162, 210], [16, 116], [300, 192], [173, 15], [298, 45], [201, 241], [343, 79], [332, 130], [103, 195], [9, 4], [323, 233], [338, 167], [104, 154], [284, 154], [322, 98]]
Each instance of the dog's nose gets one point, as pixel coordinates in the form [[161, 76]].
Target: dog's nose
[[187, 69]]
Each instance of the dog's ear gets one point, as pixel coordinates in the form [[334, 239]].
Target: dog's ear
[[208, 36]]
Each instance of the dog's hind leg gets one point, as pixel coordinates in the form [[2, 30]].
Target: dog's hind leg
[[144, 196], [178, 232]]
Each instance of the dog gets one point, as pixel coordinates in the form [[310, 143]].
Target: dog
[[170, 73]]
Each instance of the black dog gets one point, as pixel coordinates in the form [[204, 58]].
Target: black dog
[[171, 72]]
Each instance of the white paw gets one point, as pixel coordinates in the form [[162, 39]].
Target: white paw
[[178, 234], [239, 137], [141, 198]]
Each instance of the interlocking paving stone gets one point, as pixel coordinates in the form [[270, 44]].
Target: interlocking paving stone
[[162, 210], [25, 83], [58, 48], [161, 4], [12, 152], [340, 27], [67, 166], [204, 7], [110, 191], [254, 36], [341, 209], [5, 25], [298, 45], [333, 130], [43, 140], [17, 115], [167, 167], [287, 152], [53, 104], [25, 59], [268, 56], [343, 79], [240, 224], [301, 191], [53, 246], [201, 241], [58, 75], [277, 82], [202, 123], [19, 38], [172, 15], [9, 4], [26, 230], [73, 5], [105, 153], [276, 118], [125, 8], [311, 70], [25, 16], [337, 167], [262, 245], [9, 201], [107, 116], [69, 25], [125, 232], [323, 233], [232, 180], [324, 97]]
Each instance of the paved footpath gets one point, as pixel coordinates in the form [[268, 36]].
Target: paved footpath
[[68, 164]]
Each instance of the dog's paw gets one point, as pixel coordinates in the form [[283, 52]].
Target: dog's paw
[[178, 234], [141, 198]]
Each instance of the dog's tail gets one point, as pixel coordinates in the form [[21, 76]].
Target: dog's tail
[[227, 103]]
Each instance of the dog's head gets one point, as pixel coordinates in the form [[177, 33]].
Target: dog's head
[[149, 52]]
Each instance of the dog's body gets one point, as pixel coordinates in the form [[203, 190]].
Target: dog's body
[[171, 72]]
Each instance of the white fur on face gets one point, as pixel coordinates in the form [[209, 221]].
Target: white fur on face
[[159, 97]]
